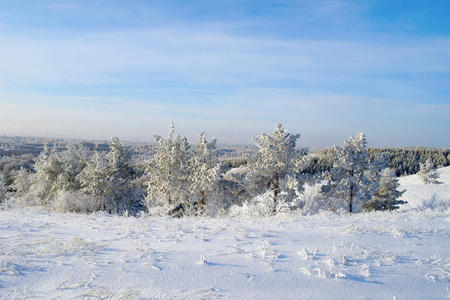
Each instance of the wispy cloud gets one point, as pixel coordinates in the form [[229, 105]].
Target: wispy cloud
[[212, 57]]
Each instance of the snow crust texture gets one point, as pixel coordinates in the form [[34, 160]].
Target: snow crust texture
[[381, 255]]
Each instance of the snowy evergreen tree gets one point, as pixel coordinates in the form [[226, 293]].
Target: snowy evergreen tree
[[43, 187], [428, 173], [373, 173], [71, 163], [95, 181], [379, 164], [94, 178], [347, 179], [109, 179], [119, 158], [3, 188], [169, 171], [53, 172], [21, 185], [387, 194], [120, 174], [204, 170], [274, 166]]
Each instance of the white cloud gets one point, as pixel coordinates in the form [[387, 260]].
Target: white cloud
[[201, 56]]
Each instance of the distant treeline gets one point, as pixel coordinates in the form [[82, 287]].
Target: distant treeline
[[404, 161]]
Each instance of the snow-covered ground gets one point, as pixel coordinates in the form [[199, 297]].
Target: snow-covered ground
[[399, 255]]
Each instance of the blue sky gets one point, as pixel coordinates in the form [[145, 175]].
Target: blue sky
[[325, 69]]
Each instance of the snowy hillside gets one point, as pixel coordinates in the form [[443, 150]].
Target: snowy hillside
[[99, 256], [421, 196]]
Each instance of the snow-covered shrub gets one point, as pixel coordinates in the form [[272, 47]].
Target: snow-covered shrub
[[312, 200], [274, 167], [428, 173], [435, 203], [69, 201], [258, 206]]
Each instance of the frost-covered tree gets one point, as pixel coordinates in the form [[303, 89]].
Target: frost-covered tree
[[274, 166], [71, 162], [428, 173], [53, 172], [387, 194], [169, 171], [347, 179], [204, 170], [379, 163], [120, 175], [95, 181], [43, 187], [108, 179], [94, 178], [21, 184], [373, 173], [3, 188]]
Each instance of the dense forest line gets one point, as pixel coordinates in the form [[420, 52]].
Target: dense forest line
[[404, 161]]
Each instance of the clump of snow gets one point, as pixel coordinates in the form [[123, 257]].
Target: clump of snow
[[235, 174]]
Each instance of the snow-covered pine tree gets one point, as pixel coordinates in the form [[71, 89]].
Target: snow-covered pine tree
[[21, 186], [71, 163], [379, 163], [108, 180], [53, 172], [373, 173], [387, 194], [204, 170], [3, 188], [120, 175], [43, 187], [428, 173], [347, 178], [95, 181], [274, 166], [169, 171]]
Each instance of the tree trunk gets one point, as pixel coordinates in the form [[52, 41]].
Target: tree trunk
[[352, 192], [350, 202], [202, 201], [275, 191]]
